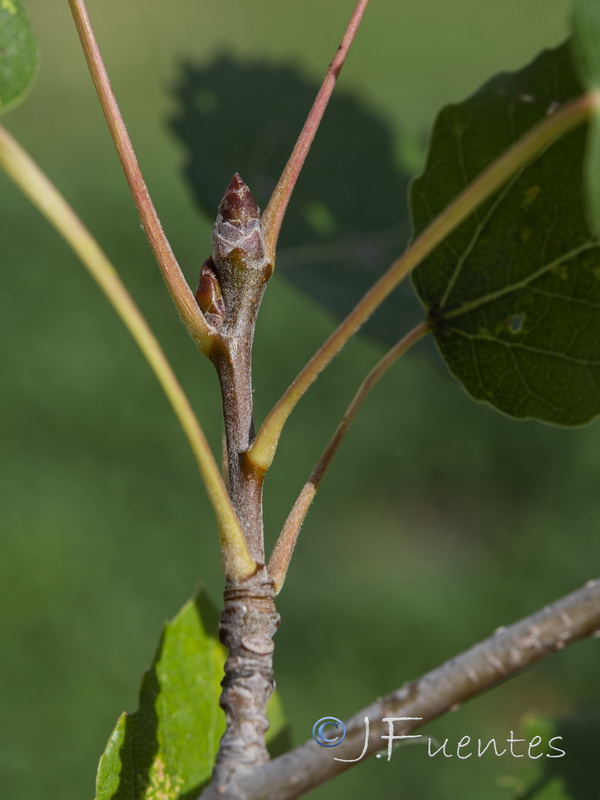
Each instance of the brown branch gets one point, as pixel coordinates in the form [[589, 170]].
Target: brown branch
[[284, 547], [504, 654], [177, 285], [275, 210]]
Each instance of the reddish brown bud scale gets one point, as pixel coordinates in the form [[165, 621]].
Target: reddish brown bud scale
[[238, 228], [238, 205], [209, 296]]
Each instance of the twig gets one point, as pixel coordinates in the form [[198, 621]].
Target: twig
[[232, 285], [275, 210], [491, 179], [178, 287], [282, 552], [31, 180], [504, 654]]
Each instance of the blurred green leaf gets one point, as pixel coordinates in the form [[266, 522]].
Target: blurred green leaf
[[348, 218], [572, 776], [514, 292], [586, 37], [547, 788], [18, 53], [167, 748]]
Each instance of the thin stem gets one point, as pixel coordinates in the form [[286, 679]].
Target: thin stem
[[490, 180], [282, 552], [506, 653], [275, 210], [177, 285], [44, 195]]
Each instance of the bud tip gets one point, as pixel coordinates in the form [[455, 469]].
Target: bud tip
[[237, 204]]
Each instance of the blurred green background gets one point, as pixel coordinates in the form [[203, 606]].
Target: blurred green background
[[440, 520]]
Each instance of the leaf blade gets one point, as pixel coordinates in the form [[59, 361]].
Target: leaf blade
[[566, 764], [586, 39], [514, 293], [19, 55], [167, 748]]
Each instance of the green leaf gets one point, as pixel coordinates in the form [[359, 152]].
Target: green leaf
[[348, 217], [166, 749], [546, 788], [514, 293], [572, 776], [586, 30], [586, 37], [18, 53]]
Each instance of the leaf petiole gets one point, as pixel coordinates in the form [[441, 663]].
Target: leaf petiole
[[275, 210], [490, 180], [182, 295], [282, 552]]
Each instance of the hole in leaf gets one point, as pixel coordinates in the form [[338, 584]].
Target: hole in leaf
[[515, 324]]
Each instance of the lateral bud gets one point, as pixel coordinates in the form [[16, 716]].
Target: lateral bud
[[209, 296]]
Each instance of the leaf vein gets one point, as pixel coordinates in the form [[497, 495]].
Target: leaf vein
[[583, 362], [522, 284], [475, 237]]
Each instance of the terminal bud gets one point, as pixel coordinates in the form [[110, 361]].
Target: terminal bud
[[239, 259], [238, 241]]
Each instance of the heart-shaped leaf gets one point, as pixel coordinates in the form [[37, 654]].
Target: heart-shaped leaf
[[167, 748], [18, 53], [514, 293]]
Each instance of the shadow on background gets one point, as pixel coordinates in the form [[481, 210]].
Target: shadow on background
[[348, 218], [140, 744]]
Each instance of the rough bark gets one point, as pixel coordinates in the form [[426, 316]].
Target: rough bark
[[248, 623]]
